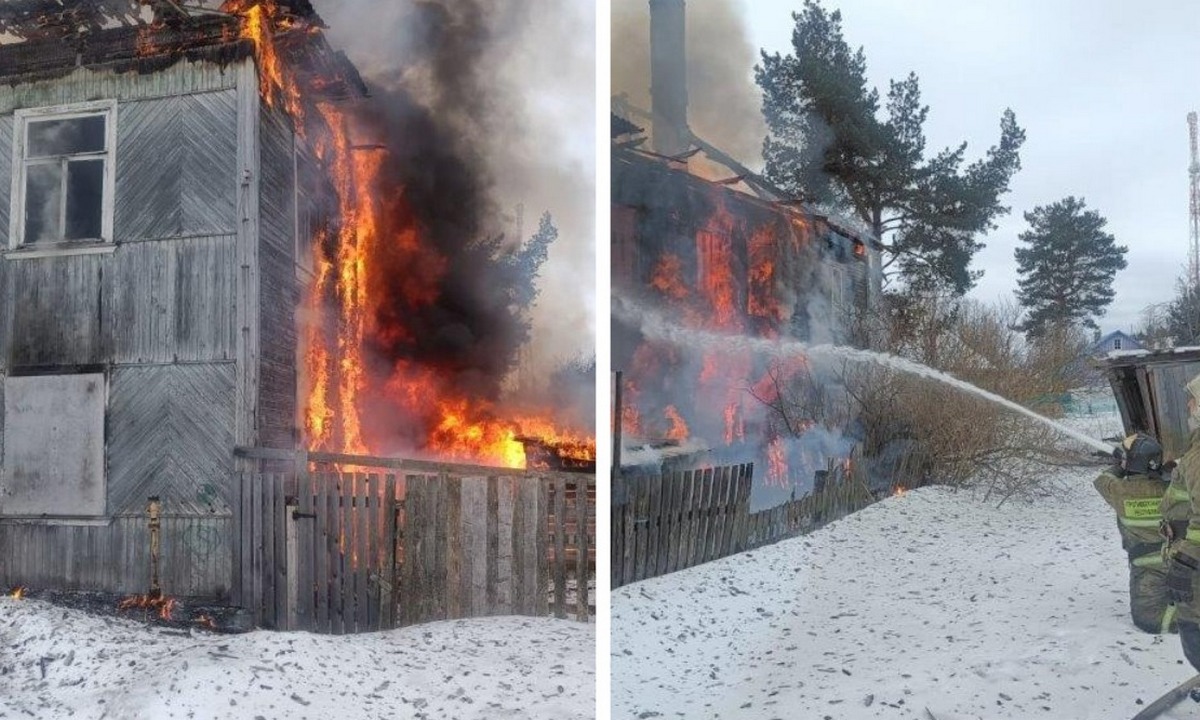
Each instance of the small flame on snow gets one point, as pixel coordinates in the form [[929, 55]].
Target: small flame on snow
[[160, 604], [17, 593]]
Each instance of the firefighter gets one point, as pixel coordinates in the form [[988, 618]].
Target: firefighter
[[1181, 526], [1134, 487]]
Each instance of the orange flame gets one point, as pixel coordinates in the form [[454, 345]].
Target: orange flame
[[900, 491], [17, 593], [337, 379], [679, 428], [162, 605]]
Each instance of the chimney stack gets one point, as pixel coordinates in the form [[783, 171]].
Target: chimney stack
[[668, 77]]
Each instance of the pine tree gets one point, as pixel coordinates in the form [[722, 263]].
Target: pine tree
[[828, 145], [1067, 269]]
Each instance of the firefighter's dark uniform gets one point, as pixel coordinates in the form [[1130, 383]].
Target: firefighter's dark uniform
[[1136, 499], [1182, 517]]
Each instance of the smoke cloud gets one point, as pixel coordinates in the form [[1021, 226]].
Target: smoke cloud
[[724, 104], [485, 106]]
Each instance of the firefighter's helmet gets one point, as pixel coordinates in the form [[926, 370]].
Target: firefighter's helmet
[[1140, 454]]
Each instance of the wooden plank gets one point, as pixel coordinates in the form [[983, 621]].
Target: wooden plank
[[370, 559], [256, 545], [321, 550], [724, 480], [435, 527], [542, 546], [243, 590], [281, 521], [743, 509], [413, 497], [616, 530], [337, 565], [520, 526], [694, 522], [732, 475], [349, 552], [271, 533], [388, 611], [560, 547], [671, 519], [493, 546], [362, 556], [703, 500], [472, 583], [454, 549], [300, 558], [685, 521], [654, 525], [292, 567], [583, 509], [629, 523]]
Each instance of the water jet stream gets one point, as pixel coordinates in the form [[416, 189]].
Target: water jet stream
[[654, 324]]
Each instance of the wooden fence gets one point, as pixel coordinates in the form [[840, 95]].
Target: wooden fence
[[665, 523], [352, 552]]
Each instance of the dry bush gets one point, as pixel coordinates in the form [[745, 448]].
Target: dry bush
[[919, 431]]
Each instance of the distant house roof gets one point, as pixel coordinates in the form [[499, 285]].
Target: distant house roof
[[1106, 343]]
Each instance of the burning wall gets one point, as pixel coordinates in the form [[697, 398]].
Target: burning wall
[[716, 259], [418, 304]]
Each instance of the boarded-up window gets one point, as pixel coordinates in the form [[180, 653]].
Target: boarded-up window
[[54, 446], [64, 174]]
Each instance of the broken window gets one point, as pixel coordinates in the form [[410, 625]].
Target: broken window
[[65, 175]]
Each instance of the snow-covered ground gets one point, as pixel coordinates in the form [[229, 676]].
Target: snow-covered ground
[[58, 663], [932, 604]]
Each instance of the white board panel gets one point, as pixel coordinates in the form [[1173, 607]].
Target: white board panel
[[54, 446]]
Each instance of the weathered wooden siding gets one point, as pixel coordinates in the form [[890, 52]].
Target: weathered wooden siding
[[55, 311], [176, 167], [171, 436], [160, 313], [278, 291], [196, 556], [171, 301]]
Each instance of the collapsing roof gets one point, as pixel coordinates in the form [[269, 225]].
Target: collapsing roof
[[57, 36]]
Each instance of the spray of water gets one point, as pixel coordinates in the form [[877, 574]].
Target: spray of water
[[654, 324]]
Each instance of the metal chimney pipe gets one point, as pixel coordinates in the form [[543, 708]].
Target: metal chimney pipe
[[668, 77]]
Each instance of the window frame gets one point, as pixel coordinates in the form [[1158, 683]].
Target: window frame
[[22, 118]]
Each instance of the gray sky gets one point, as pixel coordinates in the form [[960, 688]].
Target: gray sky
[[1101, 87]]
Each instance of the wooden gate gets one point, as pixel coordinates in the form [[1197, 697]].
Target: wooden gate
[[320, 557]]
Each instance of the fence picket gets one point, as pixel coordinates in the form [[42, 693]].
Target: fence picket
[[560, 547], [583, 562]]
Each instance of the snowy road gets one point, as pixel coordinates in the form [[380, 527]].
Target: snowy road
[[933, 602], [57, 663]]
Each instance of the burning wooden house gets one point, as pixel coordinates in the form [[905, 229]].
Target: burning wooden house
[[180, 205], [725, 253], [152, 256]]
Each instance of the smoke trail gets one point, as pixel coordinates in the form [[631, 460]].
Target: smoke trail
[[484, 105], [724, 104]]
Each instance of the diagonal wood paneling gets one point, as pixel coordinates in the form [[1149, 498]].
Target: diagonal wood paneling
[[6, 148], [56, 312], [149, 169], [171, 435], [209, 182]]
